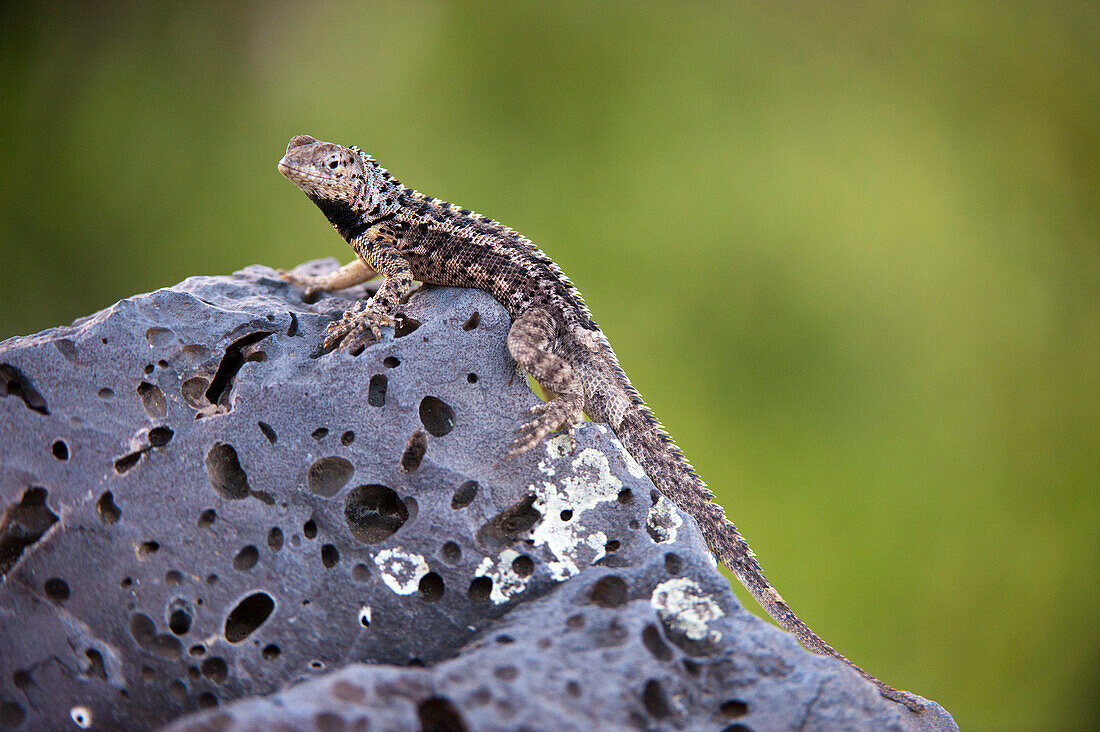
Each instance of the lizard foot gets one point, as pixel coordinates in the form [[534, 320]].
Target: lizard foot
[[566, 410], [358, 328]]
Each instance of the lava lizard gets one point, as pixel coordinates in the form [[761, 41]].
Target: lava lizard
[[404, 235]]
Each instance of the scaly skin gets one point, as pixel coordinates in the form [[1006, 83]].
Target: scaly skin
[[404, 236]]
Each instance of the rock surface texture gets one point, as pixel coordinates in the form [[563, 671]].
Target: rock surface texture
[[209, 525]]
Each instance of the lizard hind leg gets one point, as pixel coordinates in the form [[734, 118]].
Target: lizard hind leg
[[533, 342]]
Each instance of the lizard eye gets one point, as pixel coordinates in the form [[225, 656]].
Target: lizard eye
[[333, 163]]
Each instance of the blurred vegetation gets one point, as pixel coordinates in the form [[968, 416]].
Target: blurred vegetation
[[850, 253]]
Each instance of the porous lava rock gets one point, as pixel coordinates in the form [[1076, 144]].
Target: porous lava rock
[[210, 524]]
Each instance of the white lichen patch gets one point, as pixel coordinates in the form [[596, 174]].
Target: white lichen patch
[[682, 605], [663, 521], [506, 582], [401, 570], [582, 483]]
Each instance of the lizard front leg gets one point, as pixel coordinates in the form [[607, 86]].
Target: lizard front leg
[[533, 342], [355, 329], [353, 273]]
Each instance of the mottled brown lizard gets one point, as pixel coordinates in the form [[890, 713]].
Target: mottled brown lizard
[[403, 236]]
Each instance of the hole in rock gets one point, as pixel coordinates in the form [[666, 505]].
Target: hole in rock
[[651, 639], [316, 665], [737, 727], [22, 524], [319, 434], [215, 669], [60, 450], [292, 329], [523, 565], [567, 514], [56, 589], [403, 325], [347, 438], [374, 512], [451, 552], [574, 622], [144, 631], [436, 416], [464, 495], [148, 369], [246, 558], [236, 353], [249, 614], [197, 650], [177, 690], [572, 688], [193, 391], [472, 321], [173, 578], [360, 572], [95, 668], [309, 529], [152, 399], [126, 462], [511, 524], [67, 349], [391, 362], [211, 579], [11, 714], [14, 382], [506, 673], [691, 667], [225, 473], [471, 378], [610, 591], [21, 678], [612, 546], [673, 563], [376, 392], [438, 714], [275, 539], [180, 616], [105, 508], [415, 448], [328, 475], [480, 589], [330, 556], [431, 587], [268, 431], [206, 518], [271, 652], [734, 709], [146, 548], [505, 640], [364, 616], [655, 700], [160, 436], [625, 496], [105, 393], [207, 700]]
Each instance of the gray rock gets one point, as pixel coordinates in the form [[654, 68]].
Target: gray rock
[[201, 510]]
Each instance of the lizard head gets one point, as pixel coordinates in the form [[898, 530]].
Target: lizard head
[[326, 172]]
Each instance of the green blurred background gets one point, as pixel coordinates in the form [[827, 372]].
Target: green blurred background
[[849, 252]]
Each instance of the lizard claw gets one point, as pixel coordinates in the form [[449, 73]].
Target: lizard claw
[[357, 329], [564, 411]]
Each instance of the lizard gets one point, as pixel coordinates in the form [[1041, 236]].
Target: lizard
[[405, 236]]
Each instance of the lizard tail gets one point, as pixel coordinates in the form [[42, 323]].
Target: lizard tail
[[645, 439]]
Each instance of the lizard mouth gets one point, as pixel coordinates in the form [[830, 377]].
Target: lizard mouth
[[296, 174]]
